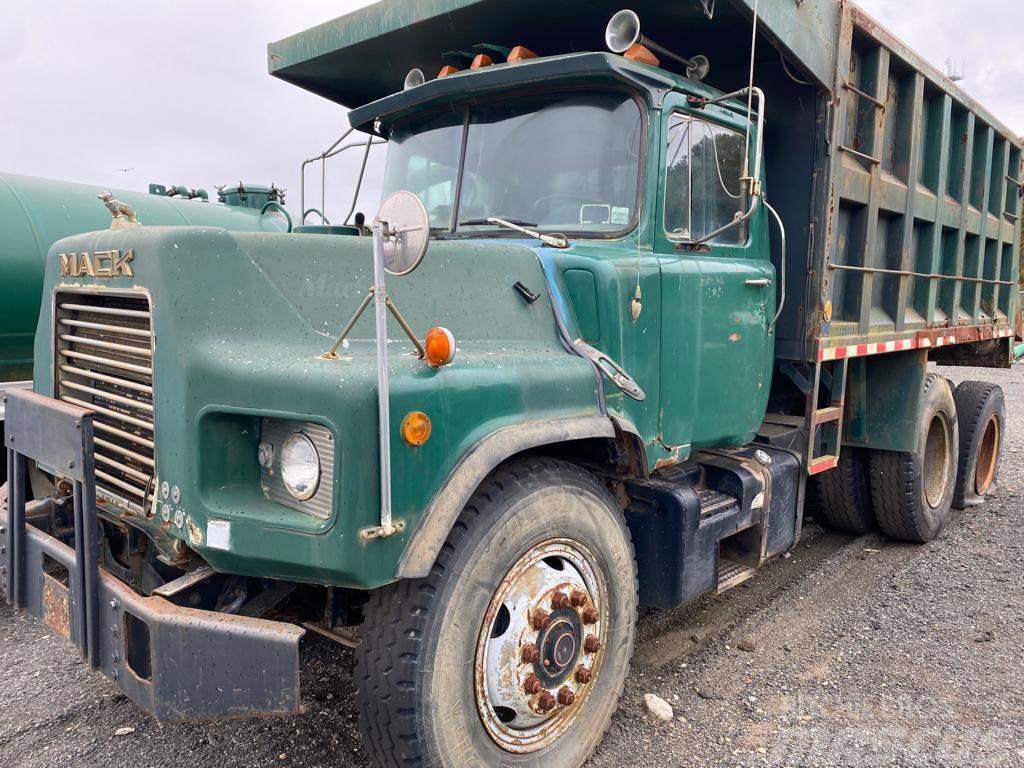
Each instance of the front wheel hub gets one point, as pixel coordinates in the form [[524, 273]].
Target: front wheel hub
[[533, 669]]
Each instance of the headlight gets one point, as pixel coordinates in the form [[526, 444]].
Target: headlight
[[300, 466]]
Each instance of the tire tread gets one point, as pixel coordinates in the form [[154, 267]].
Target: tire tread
[[842, 497], [388, 658], [894, 487], [972, 399]]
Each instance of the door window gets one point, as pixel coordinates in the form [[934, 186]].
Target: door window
[[702, 180]]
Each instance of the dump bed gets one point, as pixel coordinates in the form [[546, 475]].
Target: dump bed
[[901, 196]]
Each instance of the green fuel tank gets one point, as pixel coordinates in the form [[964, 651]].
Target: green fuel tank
[[35, 213]]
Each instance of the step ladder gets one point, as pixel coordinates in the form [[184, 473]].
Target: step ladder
[[732, 574], [824, 387]]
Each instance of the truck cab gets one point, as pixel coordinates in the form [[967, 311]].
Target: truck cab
[[625, 160]]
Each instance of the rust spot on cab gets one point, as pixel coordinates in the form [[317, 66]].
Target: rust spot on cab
[[671, 460]]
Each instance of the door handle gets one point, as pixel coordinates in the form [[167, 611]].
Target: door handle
[[760, 282]]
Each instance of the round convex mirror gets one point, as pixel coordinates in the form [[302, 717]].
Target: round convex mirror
[[406, 232]]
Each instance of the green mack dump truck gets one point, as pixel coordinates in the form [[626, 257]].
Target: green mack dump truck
[[664, 310], [35, 213]]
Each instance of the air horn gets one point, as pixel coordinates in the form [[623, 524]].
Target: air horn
[[623, 32]]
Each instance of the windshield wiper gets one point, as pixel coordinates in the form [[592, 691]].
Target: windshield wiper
[[555, 240], [478, 222]]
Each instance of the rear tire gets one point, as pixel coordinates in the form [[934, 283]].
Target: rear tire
[[981, 418], [913, 492], [441, 670], [842, 496]]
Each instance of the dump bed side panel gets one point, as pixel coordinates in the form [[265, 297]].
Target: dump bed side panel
[[923, 229]]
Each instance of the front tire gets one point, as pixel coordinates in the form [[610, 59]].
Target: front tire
[[444, 673], [913, 492]]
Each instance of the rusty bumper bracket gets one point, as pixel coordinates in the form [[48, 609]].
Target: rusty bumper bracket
[[177, 663], [57, 435]]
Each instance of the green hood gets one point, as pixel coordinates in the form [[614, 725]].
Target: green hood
[[240, 322]]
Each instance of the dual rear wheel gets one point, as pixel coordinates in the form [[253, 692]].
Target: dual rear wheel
[[908, 495]]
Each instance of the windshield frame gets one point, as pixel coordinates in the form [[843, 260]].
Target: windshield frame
[[466, 107]]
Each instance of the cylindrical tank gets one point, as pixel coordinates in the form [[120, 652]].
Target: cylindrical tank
[[35, 213]]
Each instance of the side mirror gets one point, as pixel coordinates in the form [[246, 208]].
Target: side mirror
[[404, 231]]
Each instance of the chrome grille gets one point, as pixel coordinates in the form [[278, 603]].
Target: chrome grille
[[275, 432], [104, 362]]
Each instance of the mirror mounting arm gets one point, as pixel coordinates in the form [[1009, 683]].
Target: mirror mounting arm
[[751, 179]]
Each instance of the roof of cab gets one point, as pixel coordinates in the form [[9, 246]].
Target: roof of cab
[[365, 55], [574, 69]]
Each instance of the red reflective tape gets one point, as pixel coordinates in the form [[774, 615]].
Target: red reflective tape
[[821, 465]]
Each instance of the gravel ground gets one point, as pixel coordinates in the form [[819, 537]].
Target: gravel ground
[[852, 651]]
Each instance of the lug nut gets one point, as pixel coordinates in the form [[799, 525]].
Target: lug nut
[[559, 600], [546, 702], [531, 654], [583, 675], [579, 599], [540, 619], [591, 644], [566, 697], [532, 685], [590, 615]]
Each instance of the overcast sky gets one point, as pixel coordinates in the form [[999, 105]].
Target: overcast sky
[[179, 93]]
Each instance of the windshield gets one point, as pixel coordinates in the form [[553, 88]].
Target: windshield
[[568, 163]]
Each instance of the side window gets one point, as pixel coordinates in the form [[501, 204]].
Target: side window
[[704, 164]]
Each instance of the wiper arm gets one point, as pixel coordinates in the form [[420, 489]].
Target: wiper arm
[[555, 240], [478, 222]]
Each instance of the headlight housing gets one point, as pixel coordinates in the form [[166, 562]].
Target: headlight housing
[[297, 465], [300, 466]]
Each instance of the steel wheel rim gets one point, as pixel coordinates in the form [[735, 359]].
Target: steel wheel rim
[[988, 456], [514, 718], [936, 461]]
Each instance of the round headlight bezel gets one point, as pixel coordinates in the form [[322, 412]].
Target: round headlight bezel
[[294, 487]]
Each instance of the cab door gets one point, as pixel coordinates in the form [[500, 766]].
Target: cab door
[[717, 298]]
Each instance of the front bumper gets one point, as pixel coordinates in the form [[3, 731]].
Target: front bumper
[[177, 663]]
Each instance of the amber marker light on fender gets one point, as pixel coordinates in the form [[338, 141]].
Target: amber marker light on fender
[[440, 346], [416, 428]]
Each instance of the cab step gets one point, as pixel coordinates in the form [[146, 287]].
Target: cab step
[[713, 502], [732, 574], [704, 526]]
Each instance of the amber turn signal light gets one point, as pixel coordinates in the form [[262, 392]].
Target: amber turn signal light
[[439, 346], [416, 428]]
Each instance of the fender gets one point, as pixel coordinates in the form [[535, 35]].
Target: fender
[[448, 503]]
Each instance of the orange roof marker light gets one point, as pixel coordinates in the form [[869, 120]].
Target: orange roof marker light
[[480, 61], [446, 70], [637, 52], [440, 346], [520, 53]]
